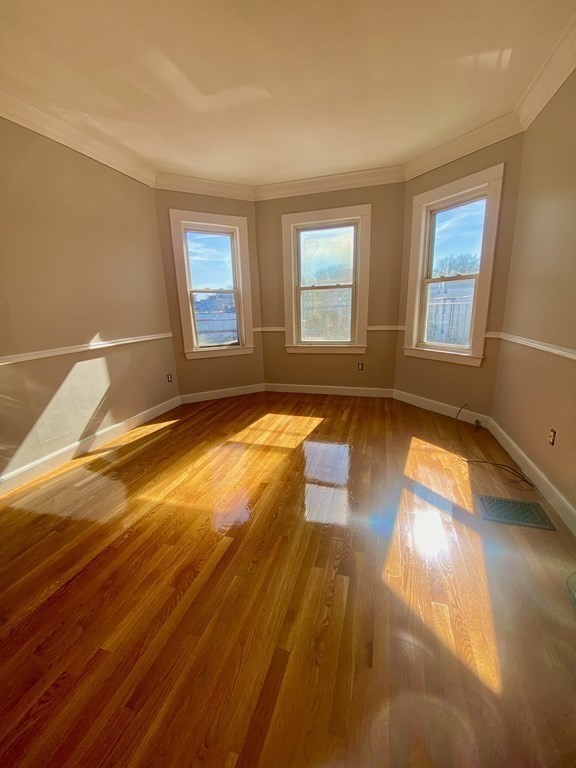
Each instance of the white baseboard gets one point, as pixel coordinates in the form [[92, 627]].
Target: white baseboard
[[542, 483], [548, 490], [396, 394], [10, 480], [437, 407], [45, 464], [218, 394], [318, 389]]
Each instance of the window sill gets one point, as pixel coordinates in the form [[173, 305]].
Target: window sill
[[327, 349], [196, 354], [445, 356]]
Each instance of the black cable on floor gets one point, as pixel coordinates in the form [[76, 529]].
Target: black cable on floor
[[478, 460]]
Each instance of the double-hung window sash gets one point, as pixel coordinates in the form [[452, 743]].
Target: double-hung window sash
[[326, 284], [214, 289], [450, 281]]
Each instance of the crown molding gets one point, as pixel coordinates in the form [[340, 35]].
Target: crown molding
[[555, 70], [333, 183], [176, 183], [497, 130], [557, 67], [38, 120], [487, 134]]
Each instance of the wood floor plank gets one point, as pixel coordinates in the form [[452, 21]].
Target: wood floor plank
[[284, 581]]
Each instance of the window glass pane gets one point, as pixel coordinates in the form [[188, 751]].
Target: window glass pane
[[327, 463], [327, 506], [326, 315], [457, 239], [210, 260], [216, 321], [449, 312], [327, 255]]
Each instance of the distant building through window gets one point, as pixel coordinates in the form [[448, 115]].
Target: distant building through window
[[213, 276], [451, 256]]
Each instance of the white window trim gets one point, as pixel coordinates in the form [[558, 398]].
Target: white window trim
[[180, 222], [360, 215], [486, 183]]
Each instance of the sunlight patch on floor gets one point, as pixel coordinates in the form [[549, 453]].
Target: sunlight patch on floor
[[225, 473], [278, 430], [139, 432], [431, 550], [449, 480]]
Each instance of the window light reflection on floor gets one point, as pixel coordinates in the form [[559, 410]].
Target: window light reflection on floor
[[426, 543], [429, 534]]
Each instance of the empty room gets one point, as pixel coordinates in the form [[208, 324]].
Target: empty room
[[288, 384]]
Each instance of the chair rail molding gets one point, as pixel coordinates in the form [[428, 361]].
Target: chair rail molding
[[78, 348]]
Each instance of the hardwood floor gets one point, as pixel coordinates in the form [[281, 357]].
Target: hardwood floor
[[281, 581]]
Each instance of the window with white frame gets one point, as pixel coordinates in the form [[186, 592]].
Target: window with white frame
[[326, 265], [451, 256], [213, 277]]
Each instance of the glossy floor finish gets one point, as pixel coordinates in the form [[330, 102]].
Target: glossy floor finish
[[282, 581]]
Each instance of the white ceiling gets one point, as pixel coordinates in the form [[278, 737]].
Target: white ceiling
[[258, 92]]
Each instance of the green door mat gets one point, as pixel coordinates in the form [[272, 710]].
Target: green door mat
[[513, 512]]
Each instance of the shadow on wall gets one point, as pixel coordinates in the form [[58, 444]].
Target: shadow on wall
[[51, 403]]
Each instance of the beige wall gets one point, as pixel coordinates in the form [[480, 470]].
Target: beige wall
[[209, 374], [80, 261], [332, 370], [86, 254], [387, 203], [536, 390], [449, 382]]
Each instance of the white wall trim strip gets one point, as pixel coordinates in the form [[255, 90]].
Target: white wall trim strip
[[543, 346], [319, 389], [176, 183], [91, 442], [443, 408], [53, 127], [281, 328], [555, 70], [548, 490], [47, 463], [90, 347], [218, 394], [502, 128], [373, 177], [46, 124], [553, 73]]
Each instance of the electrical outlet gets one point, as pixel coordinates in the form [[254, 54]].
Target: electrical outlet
[[169, 377], [552, 437]]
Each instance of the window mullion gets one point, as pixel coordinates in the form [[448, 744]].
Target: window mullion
[[327, 287], [451, 278], [212, 290]]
